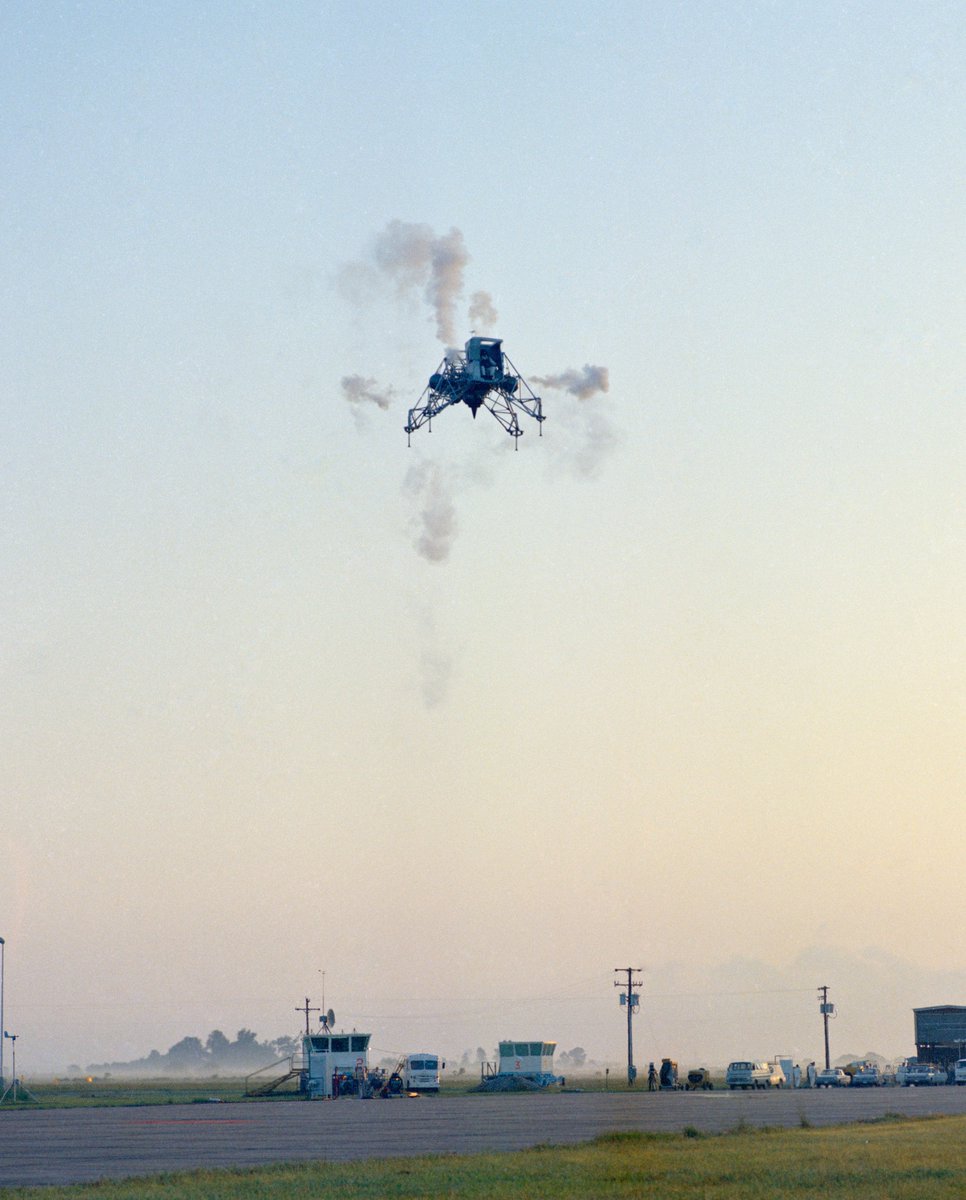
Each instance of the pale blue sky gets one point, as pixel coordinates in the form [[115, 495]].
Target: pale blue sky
[[689, 687]]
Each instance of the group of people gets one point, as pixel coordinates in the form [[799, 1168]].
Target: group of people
[[667, 1078]]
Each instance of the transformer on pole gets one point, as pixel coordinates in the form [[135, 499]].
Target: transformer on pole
[[630, 1000], [827, 1010]]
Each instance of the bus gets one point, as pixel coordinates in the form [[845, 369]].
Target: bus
[[421, 1072]]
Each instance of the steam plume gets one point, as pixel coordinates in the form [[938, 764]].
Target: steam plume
[[414, 257], [582, 384], [482, 314], [436, 517], [357, 389]]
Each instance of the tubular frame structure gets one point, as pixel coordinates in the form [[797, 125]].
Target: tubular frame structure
[[452, 384]]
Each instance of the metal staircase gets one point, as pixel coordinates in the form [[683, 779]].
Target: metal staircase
[[262, 1083]]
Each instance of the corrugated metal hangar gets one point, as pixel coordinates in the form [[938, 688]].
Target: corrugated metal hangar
[[941, 1033]]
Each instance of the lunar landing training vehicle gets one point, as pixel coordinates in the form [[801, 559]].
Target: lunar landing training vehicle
[[482, 376]]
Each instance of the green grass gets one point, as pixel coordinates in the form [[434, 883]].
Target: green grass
[[116, 1090], [84, 1091], [99, 1092], [894, 1159]]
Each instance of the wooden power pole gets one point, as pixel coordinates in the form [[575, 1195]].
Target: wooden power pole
[[305, 1009], [632, 1001]]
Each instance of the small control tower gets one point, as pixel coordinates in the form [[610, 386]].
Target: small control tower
[[527, 1058], [335, 1064]]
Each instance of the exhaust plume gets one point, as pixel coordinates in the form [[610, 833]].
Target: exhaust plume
[[590, 436], [483, 316], [359, 390], [414, 257], [582, 384], [436, 516]]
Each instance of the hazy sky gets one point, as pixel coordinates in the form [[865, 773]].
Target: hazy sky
[[679, 685]]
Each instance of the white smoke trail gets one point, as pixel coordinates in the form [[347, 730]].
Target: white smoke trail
[[446, 281], [483, 316], [589, 437], [435, 522], [582, 384], [430, 489], [413, 257], [359, 390]]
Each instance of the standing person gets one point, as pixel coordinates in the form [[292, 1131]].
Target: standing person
[[811, 1074], [651, 1078]]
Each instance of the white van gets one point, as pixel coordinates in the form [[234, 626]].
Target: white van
[[959, 1072], [421, 1072], [752, 1075]]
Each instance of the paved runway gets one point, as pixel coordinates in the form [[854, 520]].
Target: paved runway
[[56, 1146]]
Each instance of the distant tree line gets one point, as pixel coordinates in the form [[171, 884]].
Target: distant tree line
[[217, 1055]]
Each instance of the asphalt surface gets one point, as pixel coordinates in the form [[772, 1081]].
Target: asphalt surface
[[60, 1146]]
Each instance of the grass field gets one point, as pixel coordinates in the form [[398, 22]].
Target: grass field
[[885, 1160], [116, 1090], [99, 1092]]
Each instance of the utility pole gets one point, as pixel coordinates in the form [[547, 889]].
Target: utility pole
[[305, 1008], [3, 947], [827, 1010], [632, 1001]]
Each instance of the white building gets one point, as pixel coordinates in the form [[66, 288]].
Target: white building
[[335, 1063], [526, 1058]]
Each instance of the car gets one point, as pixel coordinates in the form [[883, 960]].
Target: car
[[921, 1075], [865, 1074], [832, 1077], [959, 1072], [745, 1074], [902, 1068], [776, 1076]]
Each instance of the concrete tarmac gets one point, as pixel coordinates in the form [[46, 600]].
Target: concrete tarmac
[[61, 1146]]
